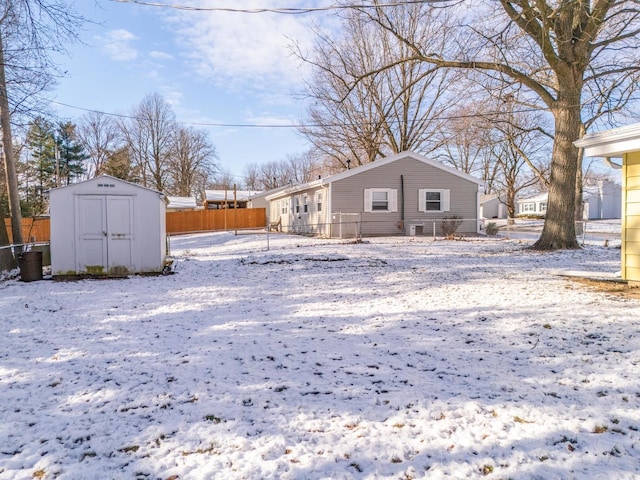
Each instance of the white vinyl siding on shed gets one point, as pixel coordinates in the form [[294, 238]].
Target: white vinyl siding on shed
[[380, 200], [430, 200]]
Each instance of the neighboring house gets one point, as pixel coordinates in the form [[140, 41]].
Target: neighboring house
[[259, 199], [107, 227], [492, 205], [601, 201], [623, 143], [177, 204], [217, 199], [403, 194], [536, 205]]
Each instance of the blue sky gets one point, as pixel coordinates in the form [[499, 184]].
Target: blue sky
[[212, 67]]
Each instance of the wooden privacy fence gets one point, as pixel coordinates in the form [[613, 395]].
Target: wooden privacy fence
[[34, 230], [210, 220], [38, 229]]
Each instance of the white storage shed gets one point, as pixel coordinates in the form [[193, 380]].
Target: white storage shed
[[107, 227]]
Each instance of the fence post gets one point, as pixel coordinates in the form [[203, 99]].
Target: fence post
[[434, 229]]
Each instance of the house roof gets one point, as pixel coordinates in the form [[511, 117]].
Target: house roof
[[540, 197], [611, 143], [371, 166], [267, 193], [228, 195]]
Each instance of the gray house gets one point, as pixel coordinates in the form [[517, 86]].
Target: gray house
[[403, 194]]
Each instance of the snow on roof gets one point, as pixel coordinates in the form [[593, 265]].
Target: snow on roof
[[611, 143], [181, 202], [228, 195]]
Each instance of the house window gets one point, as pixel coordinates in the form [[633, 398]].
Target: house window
[[432, 200], [319, 201], [306, 205], [543, 206], [528, 207], [284, 206], [380, 200], [297, 204]]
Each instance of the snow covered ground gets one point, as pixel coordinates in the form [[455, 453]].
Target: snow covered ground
[[393, 358]]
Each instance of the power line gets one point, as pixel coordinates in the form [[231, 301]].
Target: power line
[[306, 125], [287, 125], [281, 10]]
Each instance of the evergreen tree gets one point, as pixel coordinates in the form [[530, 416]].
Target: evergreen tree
[[70, 154], [41, 165]]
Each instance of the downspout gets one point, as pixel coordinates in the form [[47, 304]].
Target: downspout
[[401, 225]]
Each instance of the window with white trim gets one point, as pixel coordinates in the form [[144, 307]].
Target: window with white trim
[[434, 200], [319, 201], [543, 206], [305, 204], [296, 202], [528, 207], [380, 200]]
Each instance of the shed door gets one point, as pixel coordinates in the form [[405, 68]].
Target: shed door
[[119, 234], [105, 234]]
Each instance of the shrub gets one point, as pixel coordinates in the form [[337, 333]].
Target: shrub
[[491, 228], [449, 225]]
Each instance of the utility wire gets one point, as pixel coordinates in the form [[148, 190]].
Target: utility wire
[[289, 125], [282, 11]]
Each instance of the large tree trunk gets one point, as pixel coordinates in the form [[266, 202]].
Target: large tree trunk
[[9, 164], [559, 231]]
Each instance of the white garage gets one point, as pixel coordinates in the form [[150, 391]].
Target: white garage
[[107, 227]]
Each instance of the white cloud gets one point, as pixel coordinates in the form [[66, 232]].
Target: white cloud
[[247, 50], [117, 44], [158, 55]]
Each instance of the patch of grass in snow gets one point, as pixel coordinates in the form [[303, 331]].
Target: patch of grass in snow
[[213, 448], [565, 439], [486, 469], [130, 449], [518, 419], [356, 466], [212, 418], [600, 429], [87, 455], [39, 473], [396, 459]]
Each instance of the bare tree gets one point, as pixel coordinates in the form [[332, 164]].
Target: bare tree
[[222, 180], [251, 176], [149, 134], [100, 137], [466, 142], [192, 163], [295, 169], [395, 110], [30, 31], [555, 50]]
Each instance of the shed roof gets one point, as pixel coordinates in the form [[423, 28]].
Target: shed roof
[[103, 179]]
